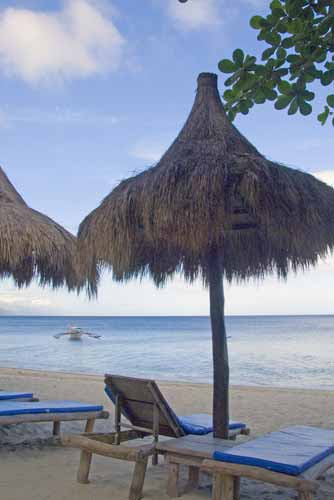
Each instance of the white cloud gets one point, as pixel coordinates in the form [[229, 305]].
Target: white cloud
[[325, 176], [78, 41], [194, 14], [57, 116]]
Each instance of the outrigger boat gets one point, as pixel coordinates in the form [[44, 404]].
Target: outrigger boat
[[75, 333]]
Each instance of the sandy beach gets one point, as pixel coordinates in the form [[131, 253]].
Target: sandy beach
[[32, 467]]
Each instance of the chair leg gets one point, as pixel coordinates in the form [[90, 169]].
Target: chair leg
[[193, 479], [136, 489], [155, 458], [90, 425], [56, 428], [84, 467], [217, 486], [173, 480], [305, 495], [228, 487], [236, 488]]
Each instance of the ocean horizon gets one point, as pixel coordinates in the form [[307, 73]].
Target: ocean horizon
[[268, 350]]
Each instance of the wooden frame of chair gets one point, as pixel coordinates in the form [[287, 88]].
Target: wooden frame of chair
[[224, 475], [56, 418]]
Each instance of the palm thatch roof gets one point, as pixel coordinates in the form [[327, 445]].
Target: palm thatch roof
[[32, 245], [211, 191]]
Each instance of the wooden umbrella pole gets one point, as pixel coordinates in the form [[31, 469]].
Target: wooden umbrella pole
[[219, 349]]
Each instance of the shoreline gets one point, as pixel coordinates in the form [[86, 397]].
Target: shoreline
[[98, 377]]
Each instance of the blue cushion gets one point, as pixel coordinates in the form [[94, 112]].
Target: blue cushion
[[5, 395], [292, 450], [17, 408], [201, 423]]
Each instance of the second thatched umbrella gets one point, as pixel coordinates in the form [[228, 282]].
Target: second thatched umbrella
[[34, 246], [213, 207]]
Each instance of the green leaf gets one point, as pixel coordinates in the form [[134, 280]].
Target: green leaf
[[327, 77], [244, 107], [289, 42], [227, 66], [322, 117], [256, 22], [238, 57], [259, 97], [305, 108], [269, 93], [308, 96], [267, 53], [281, 53], [330, 100], [293, 107], [284, 87], [283, 101]]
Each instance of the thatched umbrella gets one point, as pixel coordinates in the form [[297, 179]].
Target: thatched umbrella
[[212, 207], [32, 245]]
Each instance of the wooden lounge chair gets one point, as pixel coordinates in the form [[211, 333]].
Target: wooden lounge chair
[[294, 457], [16, 412], [147, 413], [143, 405], [17, 396]]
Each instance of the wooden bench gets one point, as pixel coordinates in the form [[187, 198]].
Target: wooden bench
[[18, 412], [309, 454]]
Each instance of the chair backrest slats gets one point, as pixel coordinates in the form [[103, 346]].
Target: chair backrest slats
[[139, 397]]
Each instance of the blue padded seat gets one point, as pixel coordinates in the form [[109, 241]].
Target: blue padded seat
[[201, 423], [5, 395], [42, 407], [291, 450]]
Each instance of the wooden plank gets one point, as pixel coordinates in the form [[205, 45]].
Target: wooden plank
[[193, 477], [189, 460], [260, 474], [217, 487], [173, 480], [147, 428], [90, 425], [143, 412], [236, 488], [156, 419], [136, 489], [56, 428], [51, 417], [129, 387], [109, 437], [84, 467], [228, 487], [196, 447], [166, 411], [107, 450]]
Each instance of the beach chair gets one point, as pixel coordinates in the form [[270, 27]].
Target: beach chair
[[294, 457], [16, 412], [143, 405], [16, 396], [147, 413]]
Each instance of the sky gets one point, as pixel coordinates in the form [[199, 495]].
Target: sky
[[93, 91]]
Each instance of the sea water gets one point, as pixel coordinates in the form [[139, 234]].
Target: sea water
[[286, 351]]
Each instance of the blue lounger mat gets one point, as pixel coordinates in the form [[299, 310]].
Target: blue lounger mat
[[201, 423], [5, 395], [291, 451], [16, 408], [196, 424]]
